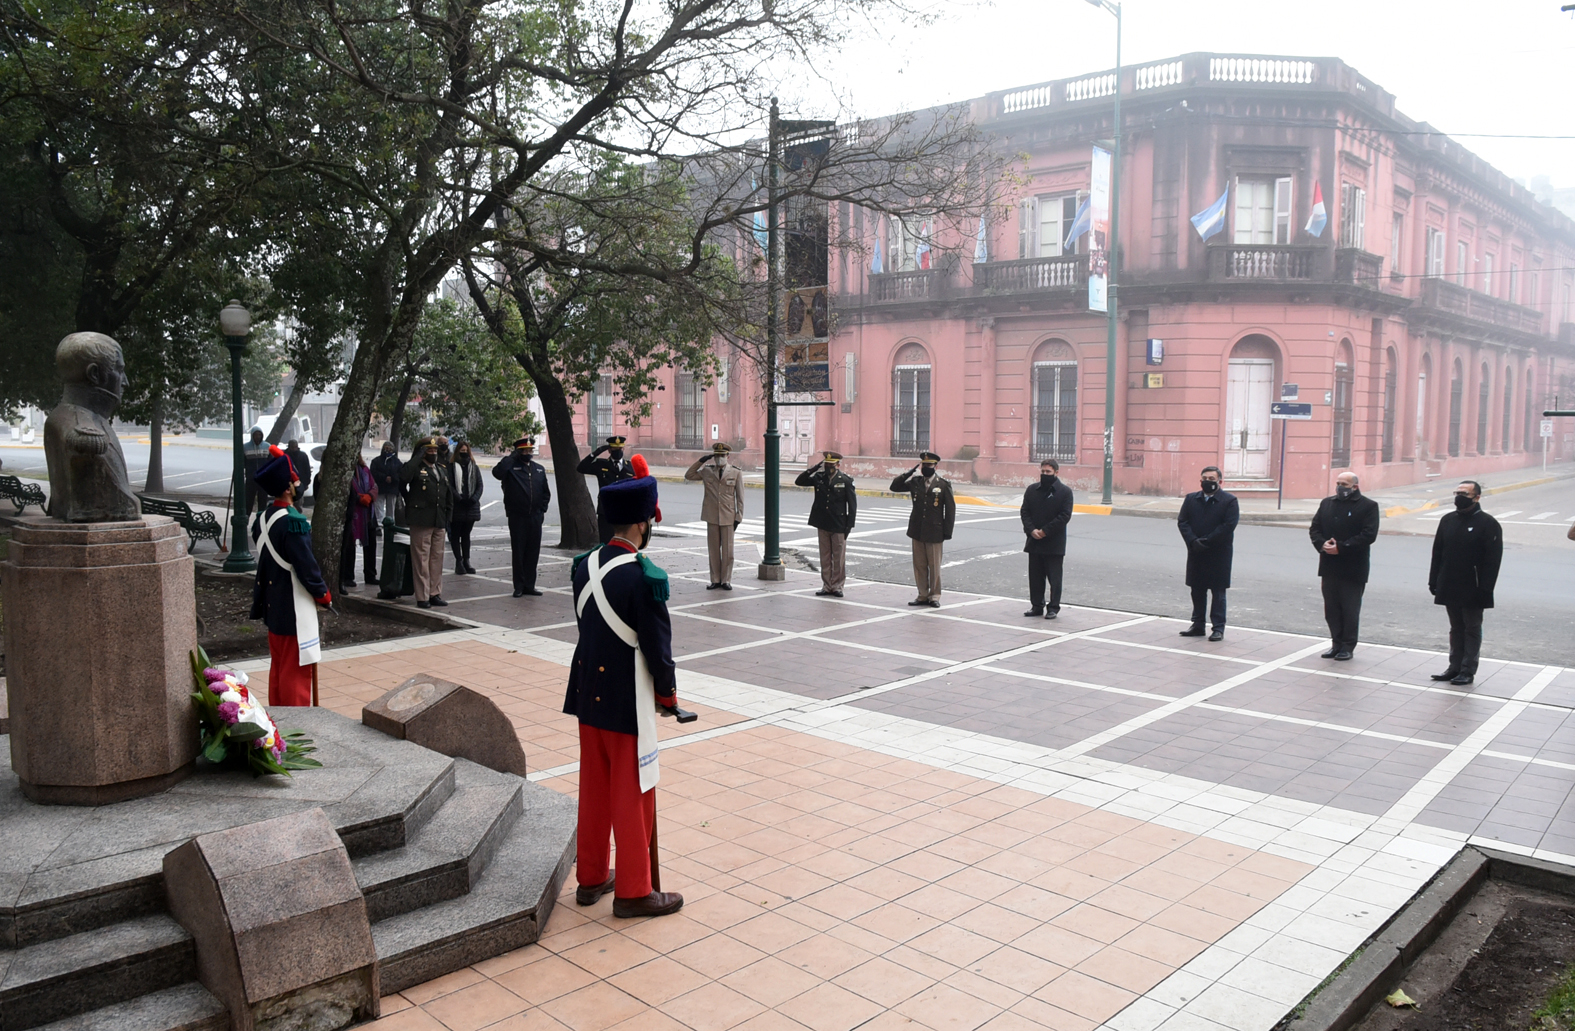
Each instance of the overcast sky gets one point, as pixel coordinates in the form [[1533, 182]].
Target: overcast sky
[[1485, 66]]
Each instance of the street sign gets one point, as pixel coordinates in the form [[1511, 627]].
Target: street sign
[[1547, 427], [1290, 410], [1156, 379], [1288, 391]]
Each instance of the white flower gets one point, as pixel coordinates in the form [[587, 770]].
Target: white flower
[[231, 696]]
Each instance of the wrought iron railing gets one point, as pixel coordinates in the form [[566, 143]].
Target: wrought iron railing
[[1010, 277], [1352, 265], [910, 430], [1463, 301], [1263, 262]]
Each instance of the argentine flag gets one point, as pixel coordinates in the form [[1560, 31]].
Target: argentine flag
[[1080, 223], [1319, 217], [981, 247], [1212, 218], [761, 232], [876, 265]]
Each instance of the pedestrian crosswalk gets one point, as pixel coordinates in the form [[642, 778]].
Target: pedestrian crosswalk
[[1551, 518]]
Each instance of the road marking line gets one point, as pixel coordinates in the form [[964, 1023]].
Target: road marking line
[[979, 558], [1542, 515]]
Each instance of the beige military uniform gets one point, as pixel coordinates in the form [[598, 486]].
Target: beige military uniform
[[722, 509]]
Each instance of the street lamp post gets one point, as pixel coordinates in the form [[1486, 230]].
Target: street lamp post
[[1110, 289], [236, 322]]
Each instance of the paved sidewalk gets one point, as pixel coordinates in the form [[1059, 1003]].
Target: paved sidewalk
[[890, 817]]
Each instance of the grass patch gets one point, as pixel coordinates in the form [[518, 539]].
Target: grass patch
[[1558, 1013]]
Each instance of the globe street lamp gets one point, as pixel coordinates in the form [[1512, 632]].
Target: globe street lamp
[[1110, 290], [236, 322]]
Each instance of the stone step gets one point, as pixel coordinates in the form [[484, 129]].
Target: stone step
[[110, 965], [505, 909], [186, 1007], [447, 856]]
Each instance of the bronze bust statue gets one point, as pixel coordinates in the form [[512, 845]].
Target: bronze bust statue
[[87, 470]]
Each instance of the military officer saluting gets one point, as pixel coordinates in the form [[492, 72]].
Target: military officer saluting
[[832, 514], [526, 498], [722, 509], [621, 671], [930, 523], [609, 470]]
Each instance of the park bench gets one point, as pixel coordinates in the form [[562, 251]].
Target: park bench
[[198, 525], [21, 494]]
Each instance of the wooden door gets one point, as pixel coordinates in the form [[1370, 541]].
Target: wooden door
[[1247, 425]]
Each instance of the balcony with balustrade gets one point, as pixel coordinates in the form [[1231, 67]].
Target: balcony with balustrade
[[1473, 310], [909, 287], [1068, 273], [1267, 263]]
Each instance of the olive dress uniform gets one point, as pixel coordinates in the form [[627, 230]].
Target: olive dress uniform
[[929, 525], [427, 510], [607, 471], [832, 514], [722, 509]]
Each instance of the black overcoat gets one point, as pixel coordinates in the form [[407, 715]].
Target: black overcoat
[[836, 505], [1353, 523], [1467, 550], [1048, 510], [525, 488], [466, 506], [1208, 525], [601, 676]]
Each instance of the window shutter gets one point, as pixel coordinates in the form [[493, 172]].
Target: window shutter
[[1025, 230], [1360, 241], [850, 377], [1243, 212], [1462, 262], [1282, 210], [723, 387]]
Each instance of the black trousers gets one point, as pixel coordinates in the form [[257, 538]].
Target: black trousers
[[1216, 611], [1465, 638], [525, 545], [459, 543], [1040, 569], [368, 542], [1342, 610]]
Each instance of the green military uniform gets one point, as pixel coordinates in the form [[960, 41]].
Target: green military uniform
[[832, 514], [929, 524]]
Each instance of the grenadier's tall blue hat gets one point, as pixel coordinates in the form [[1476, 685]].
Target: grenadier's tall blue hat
[[628, 501], [276, 474]]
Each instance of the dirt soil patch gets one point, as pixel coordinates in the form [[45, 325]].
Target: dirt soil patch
[[227, 631], [1492, 968]]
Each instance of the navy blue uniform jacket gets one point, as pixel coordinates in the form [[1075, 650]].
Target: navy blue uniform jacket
[[525, 490], [601, 678], [1208, 525], [273, 596]]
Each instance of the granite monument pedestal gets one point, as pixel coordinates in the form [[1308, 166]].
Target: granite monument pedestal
[[99, 618]]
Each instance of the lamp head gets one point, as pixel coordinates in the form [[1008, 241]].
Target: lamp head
[[235, 320]]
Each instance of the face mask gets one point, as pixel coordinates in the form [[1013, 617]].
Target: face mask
[[616, 455], [1342, 491], [927, 470], [463, 456], [1464, 501], [1046, 479], [1209, 486], [429, 459], [645, 536]]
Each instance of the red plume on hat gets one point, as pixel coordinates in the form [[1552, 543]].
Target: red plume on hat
[[640, 467]]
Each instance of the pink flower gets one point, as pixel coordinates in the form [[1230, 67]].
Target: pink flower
[[229, 712], [212, 673]]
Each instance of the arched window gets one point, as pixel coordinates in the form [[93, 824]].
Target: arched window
[[1457, 387], [1391, 384], [1484, 400], [1344, 387], [1506, 443], [1055, 402], [910, 401]]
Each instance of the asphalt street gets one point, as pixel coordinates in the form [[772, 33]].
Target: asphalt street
[[1121, 562]]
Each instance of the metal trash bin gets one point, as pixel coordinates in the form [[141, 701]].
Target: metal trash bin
[[398, 579]]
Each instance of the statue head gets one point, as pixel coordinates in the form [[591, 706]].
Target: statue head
[[92, 367]]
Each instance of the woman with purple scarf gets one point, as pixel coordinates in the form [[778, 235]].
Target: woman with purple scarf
[[359, 526]]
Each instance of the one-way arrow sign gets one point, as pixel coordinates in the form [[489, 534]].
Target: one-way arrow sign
[[1290, 410]]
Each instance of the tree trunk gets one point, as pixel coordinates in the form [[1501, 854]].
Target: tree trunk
[[396, 420], [155, 481], [576, 511], [291, 403]]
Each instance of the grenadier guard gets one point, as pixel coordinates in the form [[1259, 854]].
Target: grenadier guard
[[832, 514], [722, 509], [289, 585], [621, 671], [609, 470], [929, 525], [526, 497]]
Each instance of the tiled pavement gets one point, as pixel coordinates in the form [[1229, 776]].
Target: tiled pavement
[[959, 818]]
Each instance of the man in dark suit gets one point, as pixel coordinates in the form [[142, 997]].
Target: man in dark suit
[[526, 496], [1467, 550], [1047, 507], [1207, 523], [621, 671], [611, 469], [1343, 532]]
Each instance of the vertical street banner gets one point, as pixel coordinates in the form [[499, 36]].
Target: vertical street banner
[[1099, 235], [806, 297]]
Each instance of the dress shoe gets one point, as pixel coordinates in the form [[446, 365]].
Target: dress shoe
[[437, 599], [725, 587], [459, 570], [534, 593], [918, 602], [836, 594], [519, 594], [712, 586], [1034, 613], [469, 568], [423, 604], [1052, 614], [1462, 679], [658, 903], [345, 585], [587, 896], [1330, 654], [1218, 635], [1193, 631], [1342, 656], [1448, 674], [824, 594], [934, 604]]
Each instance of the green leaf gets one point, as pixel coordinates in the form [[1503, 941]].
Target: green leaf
[[216, 749], [1399, 998], [246, 732]]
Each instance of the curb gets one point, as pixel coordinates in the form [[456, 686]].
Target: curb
[[1400, 510]]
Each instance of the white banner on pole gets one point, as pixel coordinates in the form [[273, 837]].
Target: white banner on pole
[[1099, 230]]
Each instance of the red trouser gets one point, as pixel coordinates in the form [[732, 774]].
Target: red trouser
[[289, 682], [611, 802]]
